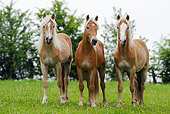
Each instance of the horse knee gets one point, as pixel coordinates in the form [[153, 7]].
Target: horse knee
[[59, 83], [91, 88], [81, 87], [132, 88], [45, 83], [120, 88]]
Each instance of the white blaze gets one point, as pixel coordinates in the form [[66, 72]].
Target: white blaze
[[123, 28], [49, 34]]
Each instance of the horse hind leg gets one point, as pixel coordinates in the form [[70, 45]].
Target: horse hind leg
[[142, 85], [102, 84], [137, 86], [67, 69]]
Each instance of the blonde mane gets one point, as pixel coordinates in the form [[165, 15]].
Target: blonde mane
[[93, 20], [41, 38]]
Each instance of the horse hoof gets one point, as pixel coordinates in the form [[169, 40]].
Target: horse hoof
[[119, 105], [141, 104], [89, 103], [80, 104], [62, 101], [93, 105], [105, 103], [44, 101], [134, 104]]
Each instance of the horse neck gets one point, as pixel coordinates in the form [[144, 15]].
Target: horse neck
[[125, 49]]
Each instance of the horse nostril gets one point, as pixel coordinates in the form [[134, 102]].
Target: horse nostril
[[94, 41]]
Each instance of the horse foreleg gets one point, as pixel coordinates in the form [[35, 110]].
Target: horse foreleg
[[92, 93], [81, 85], [120, 87], [102, 84], [44, 70], [132, 85], [58, 71]]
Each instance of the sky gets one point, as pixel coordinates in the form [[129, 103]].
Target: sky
[[152, 17]]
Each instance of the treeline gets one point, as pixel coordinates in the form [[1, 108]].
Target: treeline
[[19, 33]]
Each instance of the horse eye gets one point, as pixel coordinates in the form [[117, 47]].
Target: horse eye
[[88, 28], [43, 26], [53, 26], [117, 27], [127, 27]]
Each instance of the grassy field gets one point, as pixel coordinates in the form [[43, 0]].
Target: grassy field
[[26, 97]]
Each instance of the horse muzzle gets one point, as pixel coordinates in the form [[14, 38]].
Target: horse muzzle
[[122, 42], [49, 40], [94, 41]]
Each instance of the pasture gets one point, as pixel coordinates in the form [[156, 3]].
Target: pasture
[[26, 97]]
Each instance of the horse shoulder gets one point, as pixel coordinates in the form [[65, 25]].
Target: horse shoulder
[[100, 52], [116, 56], [66, 45]]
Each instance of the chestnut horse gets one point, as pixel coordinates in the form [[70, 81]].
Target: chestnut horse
[[90, 62], [132, 57], [55, 51]]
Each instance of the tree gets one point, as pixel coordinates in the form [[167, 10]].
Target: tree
[[110, 42], [16, 44], [160, 61], [67, 23]]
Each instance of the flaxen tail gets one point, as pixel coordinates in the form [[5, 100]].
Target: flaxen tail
[[96, 84]]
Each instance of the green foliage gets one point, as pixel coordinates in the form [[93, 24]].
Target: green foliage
[[110, 42], [160, 61], [16, 44], [26, 96], [67, 23]]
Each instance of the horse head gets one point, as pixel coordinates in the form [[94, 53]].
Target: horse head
[[91, 27], [123, 29], [48, 27]]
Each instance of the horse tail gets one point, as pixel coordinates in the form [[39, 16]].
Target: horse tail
[[138, 86], [96, 84]]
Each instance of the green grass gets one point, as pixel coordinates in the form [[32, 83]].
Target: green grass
[[26, 97]]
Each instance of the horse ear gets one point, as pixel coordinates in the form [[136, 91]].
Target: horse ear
[[53, 16], [44, 15], [127, 17], [87, 18], [96, 18], [118, 17]]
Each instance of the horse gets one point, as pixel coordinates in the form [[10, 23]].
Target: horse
[[55, 51], [131, 56], [90, 62]]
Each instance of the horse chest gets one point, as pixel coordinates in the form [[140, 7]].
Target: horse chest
[[86, 64], [124, 64], [48, 59]]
